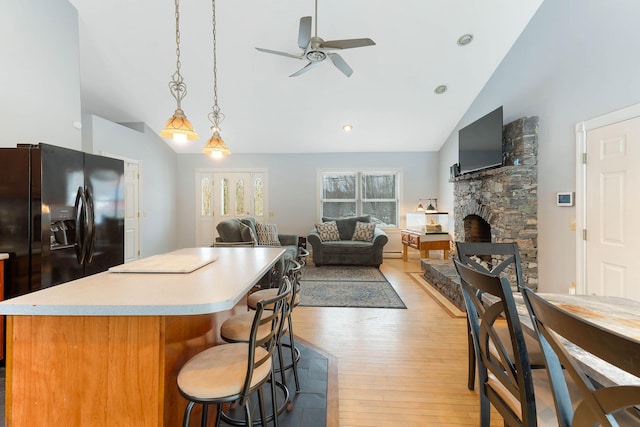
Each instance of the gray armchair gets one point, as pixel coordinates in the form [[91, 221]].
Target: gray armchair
[[242, 232], [347, 251]]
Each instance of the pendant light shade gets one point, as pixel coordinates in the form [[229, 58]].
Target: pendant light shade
[[216, 147], [178, 127]]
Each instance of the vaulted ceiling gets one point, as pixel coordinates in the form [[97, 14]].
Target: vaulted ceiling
[[128, 55]]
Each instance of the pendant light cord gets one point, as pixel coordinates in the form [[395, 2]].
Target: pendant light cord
[[216, 115], [178, 64], [177, 87]]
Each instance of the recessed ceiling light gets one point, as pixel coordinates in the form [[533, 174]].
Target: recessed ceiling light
[[440, 90], [465, 39], [347, 128]]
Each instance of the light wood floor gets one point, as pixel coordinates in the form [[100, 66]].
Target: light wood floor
[[394, 367]]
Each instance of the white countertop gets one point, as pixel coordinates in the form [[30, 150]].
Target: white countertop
[[217, 286], [3, 256]]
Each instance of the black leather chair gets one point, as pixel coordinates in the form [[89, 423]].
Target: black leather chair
[[595, 405]]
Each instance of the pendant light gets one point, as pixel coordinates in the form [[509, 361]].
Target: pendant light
[[432, 206], [215, 146], [178, 126]]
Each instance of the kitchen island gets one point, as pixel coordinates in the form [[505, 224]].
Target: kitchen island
[[106, 349]]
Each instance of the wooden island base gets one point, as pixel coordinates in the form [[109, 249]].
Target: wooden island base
[[102, 370]]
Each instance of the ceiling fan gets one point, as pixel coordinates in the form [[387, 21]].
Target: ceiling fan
[[316, 50]]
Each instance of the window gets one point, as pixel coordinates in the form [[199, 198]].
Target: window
[[352, 193]]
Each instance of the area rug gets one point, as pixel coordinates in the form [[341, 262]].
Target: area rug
[[347, 286]]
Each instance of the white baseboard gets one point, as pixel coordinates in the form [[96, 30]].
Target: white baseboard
[[392, 255]]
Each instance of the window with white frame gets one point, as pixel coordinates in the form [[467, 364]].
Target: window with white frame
[[351, 193]]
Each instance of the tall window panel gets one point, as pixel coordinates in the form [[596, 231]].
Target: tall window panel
[[205, 188], [258, 196], [224, 197], [240, 196]]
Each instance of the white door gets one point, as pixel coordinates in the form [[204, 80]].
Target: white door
[[131, 211], [227, 194], [611, 208]]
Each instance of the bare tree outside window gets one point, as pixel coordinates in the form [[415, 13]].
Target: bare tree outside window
[[361, 193]]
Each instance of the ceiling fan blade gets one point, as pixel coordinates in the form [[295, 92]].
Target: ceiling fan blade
[[277, 52], [304, 34], [340, 64], [347, 44], [304, 69]]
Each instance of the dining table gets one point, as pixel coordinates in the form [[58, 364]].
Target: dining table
[[617, 314], [106, 349]]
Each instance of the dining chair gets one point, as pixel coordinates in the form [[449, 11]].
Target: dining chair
[[232, 372], [497, 259], [595, 404], [505, 377]]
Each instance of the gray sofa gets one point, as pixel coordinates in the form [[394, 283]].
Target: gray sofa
[[347, 251]]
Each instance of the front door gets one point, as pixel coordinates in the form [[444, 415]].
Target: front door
[[228, 194], [611, 210]]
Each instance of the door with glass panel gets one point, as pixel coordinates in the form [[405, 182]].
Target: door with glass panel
[[222, 195]]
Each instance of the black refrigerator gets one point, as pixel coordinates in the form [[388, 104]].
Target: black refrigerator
[[61, 215]]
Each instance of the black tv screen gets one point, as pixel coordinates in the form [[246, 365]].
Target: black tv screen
[[480, 143]]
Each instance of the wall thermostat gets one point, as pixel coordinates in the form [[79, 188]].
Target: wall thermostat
[[564, 199]]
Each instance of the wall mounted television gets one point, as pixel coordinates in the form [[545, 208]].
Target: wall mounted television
[[480, 143]]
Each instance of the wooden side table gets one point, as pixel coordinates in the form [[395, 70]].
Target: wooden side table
[[424, 242]]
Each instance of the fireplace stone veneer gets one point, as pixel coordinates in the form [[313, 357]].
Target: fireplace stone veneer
[[506, 198]]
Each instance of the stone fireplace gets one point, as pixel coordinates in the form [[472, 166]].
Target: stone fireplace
[[497, 205]]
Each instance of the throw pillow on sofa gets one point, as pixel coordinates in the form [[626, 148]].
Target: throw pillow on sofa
[[328, 231], [267, 234], [364, 231], [347, 225]]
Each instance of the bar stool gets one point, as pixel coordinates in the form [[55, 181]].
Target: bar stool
[[236, 330], [232, 372], [294, 272]]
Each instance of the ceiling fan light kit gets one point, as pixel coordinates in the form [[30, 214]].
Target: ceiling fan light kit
[[316, 50]]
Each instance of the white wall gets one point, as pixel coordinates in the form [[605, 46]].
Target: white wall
[[158, 167], [293, 196], [40, 74], [577, 59]]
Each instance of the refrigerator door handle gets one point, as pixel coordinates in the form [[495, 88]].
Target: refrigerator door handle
[[80, 206], [91, 235]]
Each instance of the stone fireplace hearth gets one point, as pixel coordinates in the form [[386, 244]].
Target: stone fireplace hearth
[[497, 205]]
